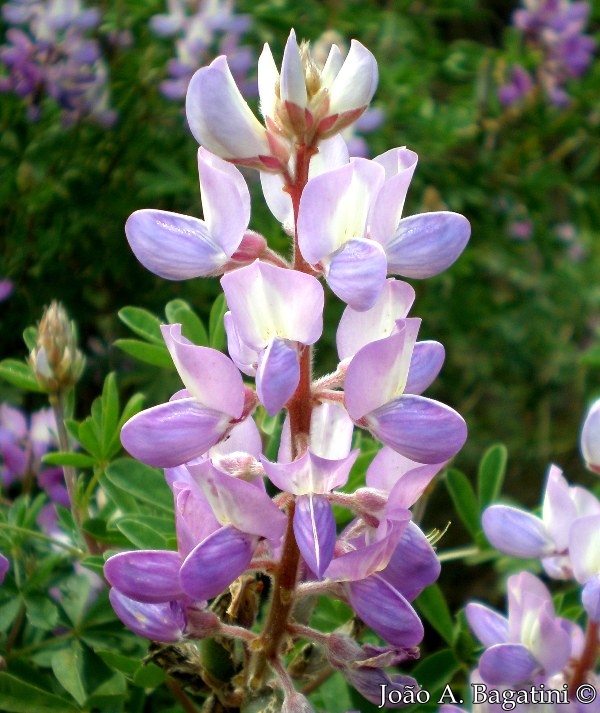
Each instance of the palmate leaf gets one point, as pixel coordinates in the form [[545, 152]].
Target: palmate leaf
[[464, 500], [143, 323], [432, 605], [17, 696]]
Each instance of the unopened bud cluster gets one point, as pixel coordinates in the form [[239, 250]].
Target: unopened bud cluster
[[55, 360]]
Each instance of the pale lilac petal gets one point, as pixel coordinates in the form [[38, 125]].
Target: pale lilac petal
[[558, 510], [368, 558], [488, 625], [333, 153], [414, 564], [425, 364], [356, 81], [244, 437], [399, 164], [314, 528], [426, 244], [163, 621], [277, 375], [507, 664], [310, 473], [218, 116], [243, 356], [516, 532], [209, 375], [239, 503], [194, 518], [590, 598], [551, 642], [330, 431], [292, 79], [173, 433], [357, 329], [268, 79], [584, 547], [145, 575], [268, 301], [173, 246], [590, 437], [356, 273], [377, 373], [216, 562], [386, 611], [422, 429], [390, 470], [334, 208], [225, 201]]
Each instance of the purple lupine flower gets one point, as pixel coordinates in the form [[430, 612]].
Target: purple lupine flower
[[310, 478], [590, 438], [531, 641], [376, 399], [220, 119], [179, 247], [350, 226], [48, 53], [198, 28], [197, 417], [275, 312], [522, 534], [555, 28]]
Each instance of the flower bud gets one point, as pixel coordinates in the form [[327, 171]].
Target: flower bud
[[55, 360], [590, 438]]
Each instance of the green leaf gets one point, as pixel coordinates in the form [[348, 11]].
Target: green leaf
[[216, 329], [110, 415], [19, 374], [142, 482], [133, 406], [88, 437], [432, 605], [434, 672], [464, 499], [97, 528], [490, 475], [141, 535], [192, 327], [17, 696], [30, 337], [118, 662], [155, 354], [143, 323], [67, 665], [41, 611], [120, 499], [95, 563], [77, 460], [149, 676]]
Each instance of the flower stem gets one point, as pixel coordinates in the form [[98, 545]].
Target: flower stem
[[587, 661]]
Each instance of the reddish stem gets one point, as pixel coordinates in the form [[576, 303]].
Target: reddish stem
[[299, 408], [587, 661]]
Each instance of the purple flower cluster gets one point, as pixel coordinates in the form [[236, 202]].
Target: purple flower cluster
[[345, 220], [203, 29], [555, 29], [48, 53], [532, 646], [23, 442]]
